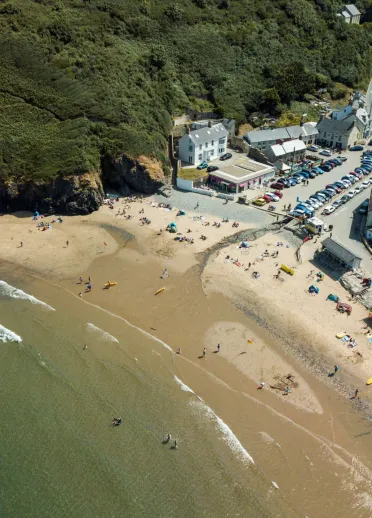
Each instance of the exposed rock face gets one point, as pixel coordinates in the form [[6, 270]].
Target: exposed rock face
[[143, 174], [64, 195]]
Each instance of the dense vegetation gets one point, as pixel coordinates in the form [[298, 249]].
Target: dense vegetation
[[81, 79]]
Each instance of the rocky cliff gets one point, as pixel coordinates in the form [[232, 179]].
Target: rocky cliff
[[81, 194]]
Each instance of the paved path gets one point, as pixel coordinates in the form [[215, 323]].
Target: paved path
[[217, 207]]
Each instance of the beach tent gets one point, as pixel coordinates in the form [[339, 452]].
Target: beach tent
[[313, 289]]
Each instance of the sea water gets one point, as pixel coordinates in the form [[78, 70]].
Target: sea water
[[60, 455]]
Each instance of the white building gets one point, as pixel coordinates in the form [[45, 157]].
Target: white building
[[350, 14], [265, 139], [290, 151], [203, 144]]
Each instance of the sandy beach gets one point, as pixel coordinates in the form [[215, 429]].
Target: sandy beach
[[270, 331]]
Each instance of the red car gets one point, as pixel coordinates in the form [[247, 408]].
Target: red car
[[278, 193], [334, 187], [278, 186]]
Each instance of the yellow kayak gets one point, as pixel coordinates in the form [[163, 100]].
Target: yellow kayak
[[159, 291], [109, 284], [369, 382]]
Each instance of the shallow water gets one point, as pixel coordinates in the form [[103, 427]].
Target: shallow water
[[60, 455], [237, 454]]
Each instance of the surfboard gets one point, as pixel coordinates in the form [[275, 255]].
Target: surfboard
[[159, 291], [369, 382]]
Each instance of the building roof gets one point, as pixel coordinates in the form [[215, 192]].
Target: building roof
[[265, 135], [340, 251], [345, 14], [293, 145], [353, 10], [335, 126], [206, 134], [294, 131], [242, 170], [309, 128]]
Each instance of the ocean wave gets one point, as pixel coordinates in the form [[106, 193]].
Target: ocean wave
[[15, 293], [234, 444], [103, 334], [6, 335]]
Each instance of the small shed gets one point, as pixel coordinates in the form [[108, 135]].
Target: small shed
[[341, 253]]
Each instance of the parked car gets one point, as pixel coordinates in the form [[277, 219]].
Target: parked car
[[349, 178], [272, 196], [358, 189], [345, 198], [292, 181], [202, 165], [314, 148], [352, 193], [356, 148], [366, 183], [306, 208], [212, 168], [330, 164], [312, 175], [328, 210], [325, 152], [304, 174], [225, 156], [336, 204], [318, 199], [296, 213], [343, 158], [314, 203], [334, 187], [363, 209], [331, 192], [315, 171], [319, 170], [278, 186], [326, 168], [279, 194], [346, 183], [259, 201], [340, 185]]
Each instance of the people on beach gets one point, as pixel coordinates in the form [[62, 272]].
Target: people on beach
[[81, 280], [204, 352], [67, 243], [336, 368], [80, 294], [355, 394], [164, 275], [21, 244], [175, 444], [218, 348], [85, 347], [261, 385], [178, 350]]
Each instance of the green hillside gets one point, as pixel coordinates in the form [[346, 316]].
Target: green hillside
[[81, 79]]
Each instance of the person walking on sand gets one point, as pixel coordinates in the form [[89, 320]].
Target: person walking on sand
[[197, 205], [67, 243], [80, 294], [164, 275], [336, 368], [81, 280], [204, 352], [89, 278], [21, 244], [218, 348], [355, 394]]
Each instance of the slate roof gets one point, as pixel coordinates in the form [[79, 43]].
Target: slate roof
[[335, 126], [265, 135], [207, 134], [353, 10], [340, 251], [288, 147]]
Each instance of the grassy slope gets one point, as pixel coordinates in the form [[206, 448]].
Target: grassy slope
[[83, 78]]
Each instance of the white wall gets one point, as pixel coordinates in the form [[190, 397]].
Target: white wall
[[205, 152], [188, 185]]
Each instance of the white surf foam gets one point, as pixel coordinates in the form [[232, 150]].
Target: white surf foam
[[6, 335], [103, 335], [15, 293], [228, 435]]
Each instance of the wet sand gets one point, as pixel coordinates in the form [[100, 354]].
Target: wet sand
[[307, 441]]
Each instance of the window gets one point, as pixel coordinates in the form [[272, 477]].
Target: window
[[190, 159], [222, 140], [200, 156], [206, 144], [212, 152], [191, 147], [212, 142], [221, 150], [200, 147]]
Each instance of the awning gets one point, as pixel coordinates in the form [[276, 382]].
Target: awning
[[242, 184], [225, 183]]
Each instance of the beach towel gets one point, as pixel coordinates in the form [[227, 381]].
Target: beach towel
[[370, 339], [341, 335], [345, 339]]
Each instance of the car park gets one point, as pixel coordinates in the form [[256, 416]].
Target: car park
[[328, 210], [325, 152], [225, 156], [259, 201], [356, 148], [202, 165], [336, 204], [212, 168]]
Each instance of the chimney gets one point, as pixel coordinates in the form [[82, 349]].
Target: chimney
[[209, 124]]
